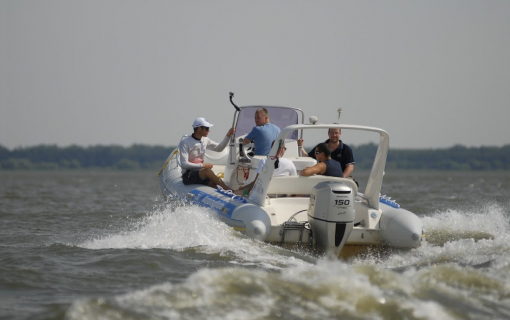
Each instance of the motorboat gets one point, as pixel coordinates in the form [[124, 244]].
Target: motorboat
[[326, 214]]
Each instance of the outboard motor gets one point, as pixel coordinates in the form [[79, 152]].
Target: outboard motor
[[331, 216]]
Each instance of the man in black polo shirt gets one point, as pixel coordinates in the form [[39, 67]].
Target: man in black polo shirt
[[340, 151]]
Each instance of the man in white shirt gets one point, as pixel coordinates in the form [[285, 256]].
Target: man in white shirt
[[192, 154]]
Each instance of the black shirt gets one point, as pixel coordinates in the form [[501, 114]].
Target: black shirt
[[342, 154]]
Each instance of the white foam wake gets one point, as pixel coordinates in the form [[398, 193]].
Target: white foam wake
[[184, 227]]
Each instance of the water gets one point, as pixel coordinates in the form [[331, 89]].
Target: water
[[104, 245]]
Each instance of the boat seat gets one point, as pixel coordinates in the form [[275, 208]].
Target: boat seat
[[301, 162], [303, 185]]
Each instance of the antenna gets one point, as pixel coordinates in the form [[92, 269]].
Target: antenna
[[231, 95], [339, 113]]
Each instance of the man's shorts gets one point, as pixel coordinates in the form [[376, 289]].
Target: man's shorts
[[192, 177]]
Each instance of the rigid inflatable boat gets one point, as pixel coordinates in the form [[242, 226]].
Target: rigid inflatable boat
[[327, 214]]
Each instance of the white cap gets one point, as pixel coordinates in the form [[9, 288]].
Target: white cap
[[201, 122]]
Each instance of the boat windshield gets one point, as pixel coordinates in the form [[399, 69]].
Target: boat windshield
[[280, 116]]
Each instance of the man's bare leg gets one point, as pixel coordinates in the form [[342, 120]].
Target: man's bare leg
[[208, 173]]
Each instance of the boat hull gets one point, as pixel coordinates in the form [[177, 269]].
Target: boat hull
[[234, 210], [400, 228]]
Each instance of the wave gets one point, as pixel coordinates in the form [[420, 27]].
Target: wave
[[487, 222], [478, 238], [461, 271], [189, 227], [328, 290], [483, 232]]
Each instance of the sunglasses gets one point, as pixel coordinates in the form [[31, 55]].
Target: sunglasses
[[206, 128]]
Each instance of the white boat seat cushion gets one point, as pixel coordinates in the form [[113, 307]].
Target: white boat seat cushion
[[303, 185], [302, 162]]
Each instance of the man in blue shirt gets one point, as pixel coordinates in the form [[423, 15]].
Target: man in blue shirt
[[263, 134]]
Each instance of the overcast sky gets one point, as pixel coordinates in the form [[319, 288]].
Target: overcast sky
[[431, 73]]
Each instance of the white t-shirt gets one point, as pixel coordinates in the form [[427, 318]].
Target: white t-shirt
[[285, 168], [192, 151]]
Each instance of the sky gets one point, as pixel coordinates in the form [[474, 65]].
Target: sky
[[433, 74]]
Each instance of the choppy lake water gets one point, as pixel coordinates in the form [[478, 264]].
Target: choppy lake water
[[105, 245]]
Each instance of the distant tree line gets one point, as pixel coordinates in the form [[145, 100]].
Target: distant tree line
[[138, 156], [457, 157], [52, 157]]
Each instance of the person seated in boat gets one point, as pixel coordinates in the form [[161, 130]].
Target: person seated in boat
[[285, 168], [263, 133], [325, 166], [339, 151], [192, 154]]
